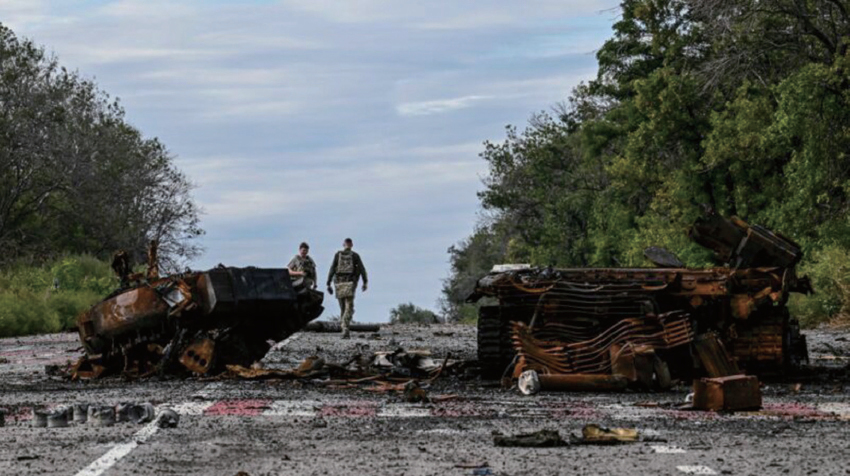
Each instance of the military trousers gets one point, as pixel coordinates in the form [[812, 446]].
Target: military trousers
[[346, 311]]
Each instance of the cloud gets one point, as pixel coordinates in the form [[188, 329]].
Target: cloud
[[425, 108], [317, 119]]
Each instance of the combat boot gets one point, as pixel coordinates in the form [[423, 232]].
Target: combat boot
[[346, 334]]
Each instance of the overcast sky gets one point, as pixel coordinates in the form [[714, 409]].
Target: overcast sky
[[314, 120]]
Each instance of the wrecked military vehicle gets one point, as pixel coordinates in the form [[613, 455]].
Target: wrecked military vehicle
[[604, 328], [191, 323]]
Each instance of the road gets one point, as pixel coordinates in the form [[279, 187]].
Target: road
[[289, 427]]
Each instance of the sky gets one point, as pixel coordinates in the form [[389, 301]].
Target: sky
[[317, 120]]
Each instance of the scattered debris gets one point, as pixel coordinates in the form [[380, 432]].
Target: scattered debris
[[413, 393], [472, 465], [135, 413], [326, 326], [400, 371], [530, 382], [101, 415], [39, 418], [81, 413], [538, 439], [596, 435], [443, 334], [168, 419], [58, 419], [733, 393], [190, 323]]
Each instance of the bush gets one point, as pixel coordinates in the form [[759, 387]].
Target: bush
[[24, 312], [48, 298], [467, 314], [69, 304], [410, 314], [829, 270]]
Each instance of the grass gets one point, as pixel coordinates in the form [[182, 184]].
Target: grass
[[48, 298]]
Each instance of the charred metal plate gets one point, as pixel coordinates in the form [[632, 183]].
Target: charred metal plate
[[198, 355]]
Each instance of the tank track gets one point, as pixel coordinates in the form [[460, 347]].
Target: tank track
[[495, 351]]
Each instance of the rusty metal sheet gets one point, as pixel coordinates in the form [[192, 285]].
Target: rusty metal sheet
[[714, 357], [732, 393]]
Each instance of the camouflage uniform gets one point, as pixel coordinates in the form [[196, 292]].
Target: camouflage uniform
[[308, 266], [346, 270]]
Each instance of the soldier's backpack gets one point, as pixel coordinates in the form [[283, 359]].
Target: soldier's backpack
[[345, 263]]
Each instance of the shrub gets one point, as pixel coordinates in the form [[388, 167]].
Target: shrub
[[69, 304], [25, 312], [31, 302], [829, 270]]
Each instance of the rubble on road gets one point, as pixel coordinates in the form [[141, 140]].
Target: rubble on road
[[538, 439], [608, 329], [596, 435], [408, 373], [336, 327], [190, 323], [94, 415]]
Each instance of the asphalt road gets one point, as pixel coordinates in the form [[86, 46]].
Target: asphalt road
[[287, 427]]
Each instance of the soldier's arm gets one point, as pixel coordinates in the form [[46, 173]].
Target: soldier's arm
[[291, 267], [362, 269], [333, 269]]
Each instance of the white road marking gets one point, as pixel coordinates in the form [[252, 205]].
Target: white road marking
[[206, 392], [697, 469], [111, 457], [119, 451], [398, 410], [294, 408], [192, 408], [662, 449], [842, 410]]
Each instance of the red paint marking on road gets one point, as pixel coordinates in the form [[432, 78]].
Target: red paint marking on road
[[238, 407], [794, 411], [349, 409], [20, 414]]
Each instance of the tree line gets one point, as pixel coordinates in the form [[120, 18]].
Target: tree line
[[75, 176], [741, 106]]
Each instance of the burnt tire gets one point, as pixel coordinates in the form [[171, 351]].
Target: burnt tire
[[495, 352]]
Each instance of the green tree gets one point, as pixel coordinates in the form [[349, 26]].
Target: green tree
[[410, 314]]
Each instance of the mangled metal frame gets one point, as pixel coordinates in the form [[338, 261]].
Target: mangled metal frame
[[590, 321], [191, 323]]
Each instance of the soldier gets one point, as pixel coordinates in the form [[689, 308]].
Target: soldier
[[303, 266], [346, 270]]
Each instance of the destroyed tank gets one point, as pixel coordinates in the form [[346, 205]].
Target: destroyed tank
[[690, 322], [192, 323]]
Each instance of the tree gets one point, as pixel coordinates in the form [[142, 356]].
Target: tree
[[74, 176], [411, 314], [740, 106]]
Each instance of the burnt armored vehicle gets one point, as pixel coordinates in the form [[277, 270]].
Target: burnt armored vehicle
[[195, 322], [682, 322]]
